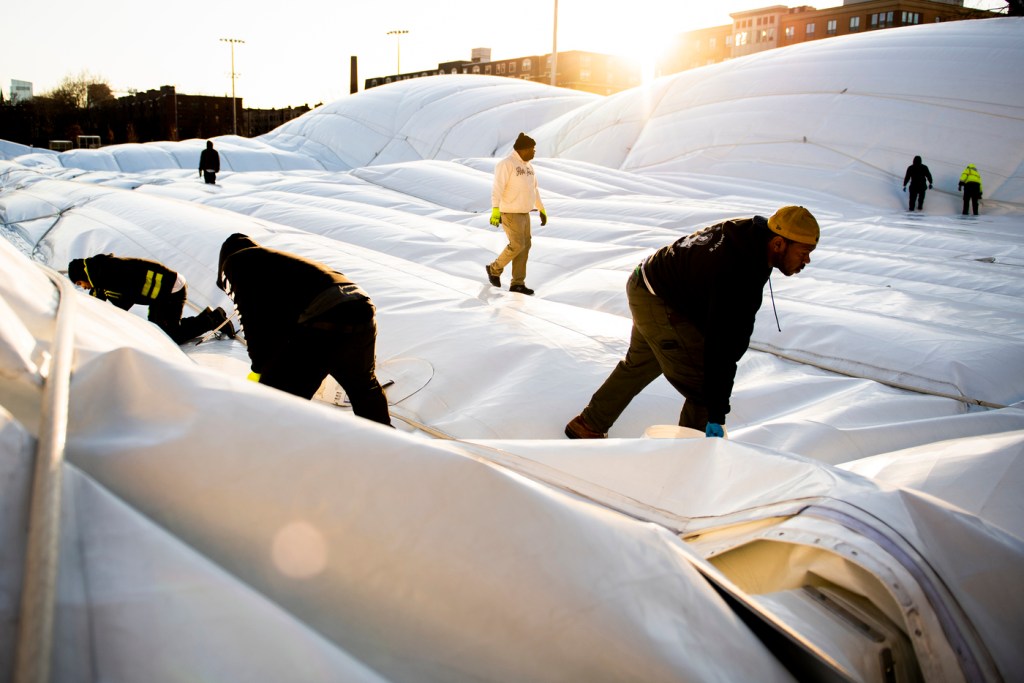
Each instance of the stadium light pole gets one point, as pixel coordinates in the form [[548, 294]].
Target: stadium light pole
[[398, 43], [554, 49], [234, 107]]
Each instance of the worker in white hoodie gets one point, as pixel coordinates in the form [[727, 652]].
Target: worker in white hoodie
[[513, 196]]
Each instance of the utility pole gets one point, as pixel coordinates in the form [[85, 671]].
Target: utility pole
[[398, 42], [234, 107], [554, 49]]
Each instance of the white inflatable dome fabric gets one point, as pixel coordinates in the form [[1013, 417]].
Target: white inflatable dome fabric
[[871, 475]]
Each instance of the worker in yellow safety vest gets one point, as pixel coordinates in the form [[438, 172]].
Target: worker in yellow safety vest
[[970, 183]]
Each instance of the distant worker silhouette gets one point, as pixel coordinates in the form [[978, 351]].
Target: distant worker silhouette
[[513, 195], [209, 164], [917, 174], [970, 183]]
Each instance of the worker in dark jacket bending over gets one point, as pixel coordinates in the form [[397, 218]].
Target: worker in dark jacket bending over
[[126, 282], [303, 321], [693, 304]]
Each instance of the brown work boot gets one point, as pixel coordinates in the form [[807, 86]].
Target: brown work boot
[[579, 429]]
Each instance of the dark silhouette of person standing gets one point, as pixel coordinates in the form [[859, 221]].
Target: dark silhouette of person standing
[[917, 174], [970, 183], [209, 164]]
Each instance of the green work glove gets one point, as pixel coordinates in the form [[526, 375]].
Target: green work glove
[[495, 217], [254, 377], [543, 219]]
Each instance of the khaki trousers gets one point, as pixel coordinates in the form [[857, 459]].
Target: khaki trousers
[[517, 229]]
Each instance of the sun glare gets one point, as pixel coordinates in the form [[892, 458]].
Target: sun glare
[[647, 51]]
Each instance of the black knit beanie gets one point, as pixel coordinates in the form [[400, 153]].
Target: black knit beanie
[[76, 271], [233, 244], [524, 141]]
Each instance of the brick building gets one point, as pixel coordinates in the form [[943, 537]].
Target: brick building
[[588, 71], [780, 25]]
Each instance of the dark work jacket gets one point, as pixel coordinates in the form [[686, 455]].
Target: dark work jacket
[[715, 278], [273, 291], [918, 176], [209, 160], [125, 282]]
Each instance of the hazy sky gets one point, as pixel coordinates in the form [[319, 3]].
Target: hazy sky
[[297, 51]]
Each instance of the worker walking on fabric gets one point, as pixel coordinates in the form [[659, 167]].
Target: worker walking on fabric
[[918, 176], [513, 195], [126, 282], [693, 304], [970, 183], [302, 322], [209, 164]]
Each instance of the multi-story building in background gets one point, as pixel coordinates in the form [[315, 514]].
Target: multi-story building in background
[[780, 25], [156, 114], [589, 71], [165, 114], [21, 91], [751, 31]]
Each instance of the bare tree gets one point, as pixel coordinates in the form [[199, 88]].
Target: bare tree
[[74, 90]]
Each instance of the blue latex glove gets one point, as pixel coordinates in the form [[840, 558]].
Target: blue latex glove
[[714, 429], [495, 217], [543, 219]]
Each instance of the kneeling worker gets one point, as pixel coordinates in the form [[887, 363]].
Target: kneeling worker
[[125, 282], [303, 321], [693, 304]]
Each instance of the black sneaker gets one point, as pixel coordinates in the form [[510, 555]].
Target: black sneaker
[[495, 279], [521, 289]]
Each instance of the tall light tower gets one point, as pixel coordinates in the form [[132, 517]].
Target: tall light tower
[[398, 42], [234, 107], [554, 49]]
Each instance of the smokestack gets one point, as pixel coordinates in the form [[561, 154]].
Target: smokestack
[[353, 76]]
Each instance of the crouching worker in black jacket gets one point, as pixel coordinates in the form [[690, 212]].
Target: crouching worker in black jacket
[[693, 304], [125, 282], [303, 321]]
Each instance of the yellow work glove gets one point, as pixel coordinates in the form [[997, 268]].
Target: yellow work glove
[[495, 217], [254, 377], [543, 219]]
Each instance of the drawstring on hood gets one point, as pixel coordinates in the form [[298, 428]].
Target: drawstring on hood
[[772, 293]]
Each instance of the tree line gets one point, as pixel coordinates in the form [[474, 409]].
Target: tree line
[[69, 110]]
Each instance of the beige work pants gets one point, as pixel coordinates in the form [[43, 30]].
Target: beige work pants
[[517, 229]]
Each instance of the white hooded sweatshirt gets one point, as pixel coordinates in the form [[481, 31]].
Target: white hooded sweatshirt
[[515, 186]]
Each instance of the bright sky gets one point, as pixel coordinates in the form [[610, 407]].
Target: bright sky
[[298, 52]]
